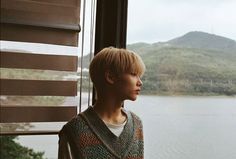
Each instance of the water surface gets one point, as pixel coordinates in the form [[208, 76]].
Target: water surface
[[174, 128]]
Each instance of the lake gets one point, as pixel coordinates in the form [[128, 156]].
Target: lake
[[174, 128]]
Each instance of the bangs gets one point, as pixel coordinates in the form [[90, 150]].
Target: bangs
[[128, 62], [135, 65]]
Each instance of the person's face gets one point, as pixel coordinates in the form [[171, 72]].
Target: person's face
[[128, 86]]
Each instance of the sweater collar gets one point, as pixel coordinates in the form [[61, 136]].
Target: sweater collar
[[120, 145]]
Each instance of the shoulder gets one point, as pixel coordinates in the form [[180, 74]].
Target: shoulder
[[74, 126], [136, 119], [138, 127], [133, 115]]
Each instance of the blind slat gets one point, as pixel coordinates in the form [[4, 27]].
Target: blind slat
[[40, 11], [37, 113], [38, 87], [38, 61], [25, 33]]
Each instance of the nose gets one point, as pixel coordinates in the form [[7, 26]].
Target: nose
[[139, 83]]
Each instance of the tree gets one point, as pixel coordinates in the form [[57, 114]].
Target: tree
[[9, 149]]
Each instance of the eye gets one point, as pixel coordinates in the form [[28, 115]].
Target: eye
[[133, 74]]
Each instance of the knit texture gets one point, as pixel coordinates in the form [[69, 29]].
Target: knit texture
[[90, 138]]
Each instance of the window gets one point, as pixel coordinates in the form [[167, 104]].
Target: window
[[39, 64], [188, 97]]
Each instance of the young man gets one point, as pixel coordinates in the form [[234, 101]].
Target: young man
[[106, 130]]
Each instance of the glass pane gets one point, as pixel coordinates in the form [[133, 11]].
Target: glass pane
[[33, 74], [38, 101], [31, 127], [38, 48], [189, 88]]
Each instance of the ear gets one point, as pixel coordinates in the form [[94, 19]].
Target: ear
[[110, 77]]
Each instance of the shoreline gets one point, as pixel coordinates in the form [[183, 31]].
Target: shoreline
[[187, 95]]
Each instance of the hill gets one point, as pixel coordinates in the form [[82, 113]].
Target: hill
[[187, 65], [202, 40]]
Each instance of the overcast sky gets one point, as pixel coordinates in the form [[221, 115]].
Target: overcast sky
[[161, 20]]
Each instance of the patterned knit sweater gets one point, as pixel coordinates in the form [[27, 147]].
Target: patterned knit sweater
[[87, 137]]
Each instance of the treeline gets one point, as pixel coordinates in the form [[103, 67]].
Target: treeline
[[186, 87], [187, 71]]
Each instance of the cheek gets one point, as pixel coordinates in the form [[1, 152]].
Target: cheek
[[127, 85], [126, 82], [123, 85]]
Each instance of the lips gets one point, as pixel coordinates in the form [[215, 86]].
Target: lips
[[137, 91]]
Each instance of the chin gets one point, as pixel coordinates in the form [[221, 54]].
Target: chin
[[133, 98]]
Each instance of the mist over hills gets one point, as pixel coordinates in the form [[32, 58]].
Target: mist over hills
[[195, 63]]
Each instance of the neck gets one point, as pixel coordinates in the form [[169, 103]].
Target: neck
[[110, 110]]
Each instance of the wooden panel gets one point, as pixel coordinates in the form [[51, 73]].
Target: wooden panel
[[111, 26], [37, 113], [61, 2], [38, 61], [25, 33], [38, 87], [44, 12]]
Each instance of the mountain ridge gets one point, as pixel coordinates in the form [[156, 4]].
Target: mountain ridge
[[193, 39], [203, 40]]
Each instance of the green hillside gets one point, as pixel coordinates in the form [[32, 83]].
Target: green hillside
[[179, 70]]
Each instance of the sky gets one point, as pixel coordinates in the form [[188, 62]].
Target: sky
[[153, 21], [161, 20]]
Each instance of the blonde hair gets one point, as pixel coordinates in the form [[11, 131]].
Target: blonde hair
[[117, 61]]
